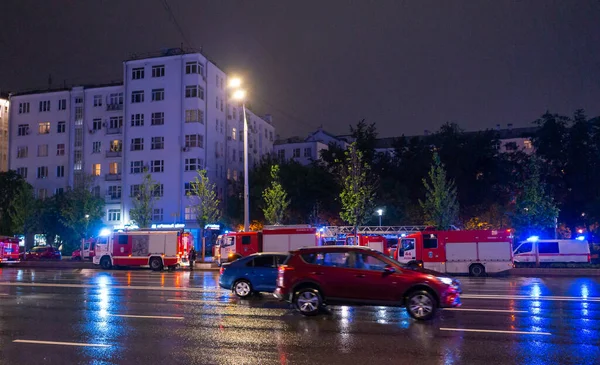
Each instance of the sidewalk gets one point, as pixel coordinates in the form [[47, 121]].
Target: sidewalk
[[554, 272]]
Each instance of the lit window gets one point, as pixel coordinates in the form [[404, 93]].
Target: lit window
[[44, 127], [190, 214], [96, 169]]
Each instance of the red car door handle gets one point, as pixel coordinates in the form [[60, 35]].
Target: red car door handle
[[360, 275]]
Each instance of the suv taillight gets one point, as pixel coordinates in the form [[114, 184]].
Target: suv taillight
[[222, 270], [589, 258]]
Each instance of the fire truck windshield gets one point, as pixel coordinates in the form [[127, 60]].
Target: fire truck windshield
[[408, 244], [228, 241]]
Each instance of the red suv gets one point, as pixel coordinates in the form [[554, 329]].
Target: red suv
[[42, 253], [347, 275]]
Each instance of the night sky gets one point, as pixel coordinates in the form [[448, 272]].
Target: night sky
[[406, 65]]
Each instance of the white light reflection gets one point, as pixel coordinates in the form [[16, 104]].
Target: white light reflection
[[585, 291], [535, 290]]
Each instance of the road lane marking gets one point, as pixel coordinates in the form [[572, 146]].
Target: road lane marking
[[528, 297], [200, 301], [495, 331], [62, 343], [149, 317], [484, 310], [130, 287]]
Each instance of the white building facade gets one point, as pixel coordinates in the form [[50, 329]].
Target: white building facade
[[4, 116], [309, 149], [170, 116]]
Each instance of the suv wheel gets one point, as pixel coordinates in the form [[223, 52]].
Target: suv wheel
[[308, 301], [421, 305], [242, 288]]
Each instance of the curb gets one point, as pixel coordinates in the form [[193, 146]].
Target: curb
[[554, 272], [72, 265]]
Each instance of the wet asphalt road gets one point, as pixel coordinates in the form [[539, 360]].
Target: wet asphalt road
[[142, 317]]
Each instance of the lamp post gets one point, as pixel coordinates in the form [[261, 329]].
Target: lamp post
[[87, 222], [240, 95], [380, 213]]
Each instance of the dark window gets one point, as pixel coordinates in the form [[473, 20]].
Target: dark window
[[368, 262], [548, 247], [280, 260], [309, 258], [524, 248], [123, 240], [246, 240], [430, 242], [263, 261]]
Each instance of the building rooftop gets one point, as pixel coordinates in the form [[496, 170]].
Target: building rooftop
[[64, 88]]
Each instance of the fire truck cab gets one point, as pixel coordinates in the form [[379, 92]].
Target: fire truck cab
[[375, 242], [154, 248], [235, 245], [9, 250], [458, 252]]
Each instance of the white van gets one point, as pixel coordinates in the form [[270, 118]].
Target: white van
[[551, 251]]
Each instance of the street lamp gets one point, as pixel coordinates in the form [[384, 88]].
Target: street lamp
[[380, 213], [240, 95], [87, 222]]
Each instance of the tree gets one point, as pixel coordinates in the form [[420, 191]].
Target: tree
[[11, 184], [81, 209], [440, 206], [23, 211], [203, 199], [143, 201], [535, 210], [358, 188], [275, 199]]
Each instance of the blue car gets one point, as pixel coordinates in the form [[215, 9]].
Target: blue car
[[252, 274]]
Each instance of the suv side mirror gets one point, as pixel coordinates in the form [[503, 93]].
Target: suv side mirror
[[389, 269]]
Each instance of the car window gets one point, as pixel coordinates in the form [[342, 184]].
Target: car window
[[263, 261], [38, 249], [525, 247], [367, 262], [123, 240], [86, 246], [280, 259], [548, 247], [333, 259], [246, 240]]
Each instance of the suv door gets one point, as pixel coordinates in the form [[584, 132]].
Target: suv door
[[330, 270], [370, 282]]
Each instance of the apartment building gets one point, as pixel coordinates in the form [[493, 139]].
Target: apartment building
[[4, 110], [307, 150], [170, 116]]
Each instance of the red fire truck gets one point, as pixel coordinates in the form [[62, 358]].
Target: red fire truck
[[9, 250], [458, 252], [375, 242], [154, 248], [271, 239]]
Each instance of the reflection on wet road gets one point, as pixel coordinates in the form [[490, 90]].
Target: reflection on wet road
[[141, 317]]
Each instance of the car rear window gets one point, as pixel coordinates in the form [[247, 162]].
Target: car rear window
[[309, 258]]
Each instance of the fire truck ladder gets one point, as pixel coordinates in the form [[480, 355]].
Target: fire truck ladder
[[333, 231]]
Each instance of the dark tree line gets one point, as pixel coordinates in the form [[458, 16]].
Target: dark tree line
[[494, 189]]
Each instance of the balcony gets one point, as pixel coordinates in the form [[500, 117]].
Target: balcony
[[111, 107], [114, 130], [114, 153], [112, 177], [112, 198]]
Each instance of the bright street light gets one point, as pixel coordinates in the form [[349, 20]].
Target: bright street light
[[239, 95], [235, 82], [380, 213]]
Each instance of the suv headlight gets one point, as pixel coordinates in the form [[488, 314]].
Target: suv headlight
[[446, 281]]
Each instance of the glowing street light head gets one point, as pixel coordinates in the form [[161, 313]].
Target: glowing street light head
[[380, 211], [239, 95], [235, 83]]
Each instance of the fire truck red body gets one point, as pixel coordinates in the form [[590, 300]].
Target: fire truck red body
[[154, 248], [9, 250], [375, 242], [473, 252], [271, 239]]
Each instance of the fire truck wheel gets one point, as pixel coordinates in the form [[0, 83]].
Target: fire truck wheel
[[308, 301], [420, 305], [242, 288], [105, 263], [477, 270], [156, 264]]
